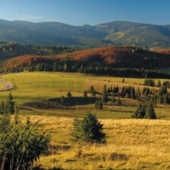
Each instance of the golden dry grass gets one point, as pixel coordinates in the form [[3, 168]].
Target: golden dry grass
[[131, 144]]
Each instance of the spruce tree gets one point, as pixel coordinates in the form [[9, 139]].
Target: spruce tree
[[10, 108], [69, 95], [85, 94], [105, 97], [139, 112], [150, 112], [98, 104], [88, 129]]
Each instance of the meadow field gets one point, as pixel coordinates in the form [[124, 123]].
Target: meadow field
[[130, 143]]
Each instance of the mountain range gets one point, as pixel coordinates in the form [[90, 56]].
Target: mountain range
[[112, 33]]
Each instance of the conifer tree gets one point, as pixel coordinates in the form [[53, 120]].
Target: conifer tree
[[105, 97], [85, 94], [10, 107], [98, 104], [69, 95], [139, 112], [150, 112], [88, 129]]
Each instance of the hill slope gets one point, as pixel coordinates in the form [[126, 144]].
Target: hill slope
[[55, 33], [103, 61]]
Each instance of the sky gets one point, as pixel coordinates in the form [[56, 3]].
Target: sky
[[82, 12]]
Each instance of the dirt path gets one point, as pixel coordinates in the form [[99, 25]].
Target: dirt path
[[8, 86]]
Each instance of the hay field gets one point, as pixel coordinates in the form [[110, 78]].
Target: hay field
[[131, 144]]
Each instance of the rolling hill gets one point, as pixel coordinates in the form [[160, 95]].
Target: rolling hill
[[55, 33], [122, 60]]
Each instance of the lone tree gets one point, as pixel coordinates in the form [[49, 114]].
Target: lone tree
[[85, 94], [69, 95], [88, 129]]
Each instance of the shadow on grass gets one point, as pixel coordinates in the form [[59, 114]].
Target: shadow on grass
[[72, 101]]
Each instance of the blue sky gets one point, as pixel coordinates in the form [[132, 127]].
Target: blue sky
[[81, 12]]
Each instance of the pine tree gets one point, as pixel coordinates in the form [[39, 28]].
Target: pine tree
[[150, 112], [85, 94], [69, 95], [159, 83], [10, 108], [98, 104], [88, 129], [105, 97], [139, 112], [2, 107], [92, 91]]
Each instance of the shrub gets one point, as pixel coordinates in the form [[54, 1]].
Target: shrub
[[20, 144]]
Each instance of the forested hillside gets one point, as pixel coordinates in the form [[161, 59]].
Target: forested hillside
[[118, 61]]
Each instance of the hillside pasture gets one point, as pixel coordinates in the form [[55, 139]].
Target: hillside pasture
[[131, 144], [41, 86]]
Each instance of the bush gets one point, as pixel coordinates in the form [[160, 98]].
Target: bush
[[20, 144], [88, 129]]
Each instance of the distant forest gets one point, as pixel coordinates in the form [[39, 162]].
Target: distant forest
[[121, 61]]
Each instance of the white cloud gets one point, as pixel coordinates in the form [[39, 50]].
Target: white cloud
[[33, 18]]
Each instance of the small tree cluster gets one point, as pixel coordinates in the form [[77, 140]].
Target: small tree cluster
[[9, 106], [163, 96], [114, 89], [88, 129], [146, 91], [128, 92], [149, 82], [144, 112]]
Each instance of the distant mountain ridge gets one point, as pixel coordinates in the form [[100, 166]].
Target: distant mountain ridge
[[112, 33]]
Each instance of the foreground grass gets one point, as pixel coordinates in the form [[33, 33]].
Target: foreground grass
[[131, 144]]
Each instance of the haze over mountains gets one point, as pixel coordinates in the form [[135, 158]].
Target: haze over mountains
[[112, 33]]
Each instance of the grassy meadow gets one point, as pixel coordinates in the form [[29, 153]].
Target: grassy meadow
[[131, 144]]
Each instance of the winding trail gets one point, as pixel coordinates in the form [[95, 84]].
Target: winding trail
[[8, 86]]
